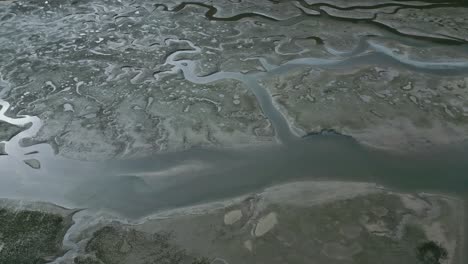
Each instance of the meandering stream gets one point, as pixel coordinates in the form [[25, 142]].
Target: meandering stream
[[140, 187]]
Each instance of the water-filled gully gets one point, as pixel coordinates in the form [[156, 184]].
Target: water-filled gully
[[135, 188]]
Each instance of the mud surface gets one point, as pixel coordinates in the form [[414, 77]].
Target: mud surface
[[133, 108], [329, 222], [125, 79]]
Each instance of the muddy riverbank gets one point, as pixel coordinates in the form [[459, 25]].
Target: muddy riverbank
[[168, 123]]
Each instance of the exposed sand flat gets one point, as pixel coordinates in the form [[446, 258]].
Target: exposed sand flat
[[340, 216], [290, 213], [265, 224], [232, 217], [295, 193], [308, 193]]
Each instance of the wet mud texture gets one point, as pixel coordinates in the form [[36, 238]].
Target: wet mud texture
[[129, 79]]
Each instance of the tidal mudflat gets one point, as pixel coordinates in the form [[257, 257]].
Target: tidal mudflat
[[330, 222], [233, 131]]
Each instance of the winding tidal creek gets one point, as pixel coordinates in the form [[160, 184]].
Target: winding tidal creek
[[234, 131]]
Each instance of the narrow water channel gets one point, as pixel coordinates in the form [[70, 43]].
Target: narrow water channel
[[139, 187], [135, 188]]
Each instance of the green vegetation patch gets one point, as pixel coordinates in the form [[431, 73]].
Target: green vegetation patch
[[431, 253], [30, 236]]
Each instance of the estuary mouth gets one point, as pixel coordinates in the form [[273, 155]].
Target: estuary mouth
[[233, 131]]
